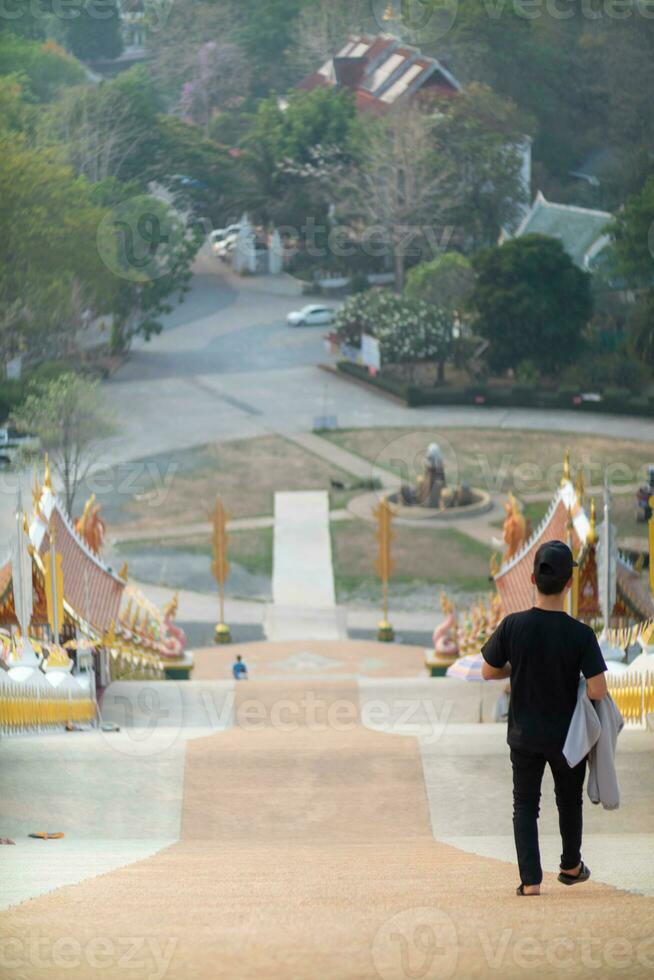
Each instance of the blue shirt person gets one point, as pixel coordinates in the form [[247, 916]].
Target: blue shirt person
[[239, 670]]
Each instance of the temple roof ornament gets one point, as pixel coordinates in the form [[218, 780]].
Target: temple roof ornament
[[565, 477], [591, 537]]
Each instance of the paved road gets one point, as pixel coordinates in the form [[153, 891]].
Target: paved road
[[227, 366]]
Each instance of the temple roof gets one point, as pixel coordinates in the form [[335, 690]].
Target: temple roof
[[513, 581], [581, 231], [93, 590]]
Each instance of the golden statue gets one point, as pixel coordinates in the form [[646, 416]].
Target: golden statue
[[90, 526], [170, 609], [514, 529]]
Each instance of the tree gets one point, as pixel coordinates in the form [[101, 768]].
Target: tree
[[95, 35], [446, 281], [285, 151], [49, 263], [483, 137], [409, 332], [633, 235], [69, 418], [214, 75], [531, 303], [108, 130], [44, 69], [148, 248], [395, 192]]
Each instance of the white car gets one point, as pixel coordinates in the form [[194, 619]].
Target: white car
[[223, 239], [311, 316]]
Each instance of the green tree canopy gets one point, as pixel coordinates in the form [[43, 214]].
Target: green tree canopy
[[69, 418], [95, 33], [43, 68], [446, 281], [531, 303], [633, 233], [48, 254]]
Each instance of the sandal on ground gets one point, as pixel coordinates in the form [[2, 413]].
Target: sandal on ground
[[584, 875], [520, 890]]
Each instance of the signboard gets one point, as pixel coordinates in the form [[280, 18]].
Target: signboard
[[370, 353]]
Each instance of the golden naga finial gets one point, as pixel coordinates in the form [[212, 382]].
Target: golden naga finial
[[639, 564], [124, 571], [592, 530], [170, 609], [47, 479], [494, 564], [565, 478]]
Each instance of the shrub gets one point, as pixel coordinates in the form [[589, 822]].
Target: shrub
[[606, 371]]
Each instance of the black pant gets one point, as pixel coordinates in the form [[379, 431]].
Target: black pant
[[528, 768]]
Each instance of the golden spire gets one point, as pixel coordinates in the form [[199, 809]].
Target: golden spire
[[36, 492], [579, 485], [47, 479], [565, 478], [592, 531], [389, 13]]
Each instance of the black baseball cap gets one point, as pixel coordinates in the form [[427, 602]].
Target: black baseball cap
[[553, 564]]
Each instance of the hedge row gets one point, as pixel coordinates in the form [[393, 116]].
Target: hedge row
[[615, 401]]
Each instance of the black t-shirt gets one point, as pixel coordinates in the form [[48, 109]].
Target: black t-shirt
[[547, 652]]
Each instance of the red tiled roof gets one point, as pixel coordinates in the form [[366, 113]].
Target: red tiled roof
[[386, 73], [91, 589], [514, 582]]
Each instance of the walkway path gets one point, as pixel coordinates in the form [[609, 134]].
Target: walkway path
[[304, 597], [306, 850]]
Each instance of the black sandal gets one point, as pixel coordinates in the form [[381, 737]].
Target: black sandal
[[584, 875], [520, 890]]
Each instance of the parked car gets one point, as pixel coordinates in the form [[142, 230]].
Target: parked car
[[310, 316], [13, 442], [220, 238]]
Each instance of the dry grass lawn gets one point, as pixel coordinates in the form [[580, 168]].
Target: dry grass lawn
[[497, 460], [245, 472]]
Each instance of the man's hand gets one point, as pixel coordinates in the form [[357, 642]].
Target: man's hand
[[495, 673]]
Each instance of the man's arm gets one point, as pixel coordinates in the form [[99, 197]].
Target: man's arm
[[496, 665], [490, 673], [596, 687]]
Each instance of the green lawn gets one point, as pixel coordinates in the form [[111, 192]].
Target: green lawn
[[422, 558]]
